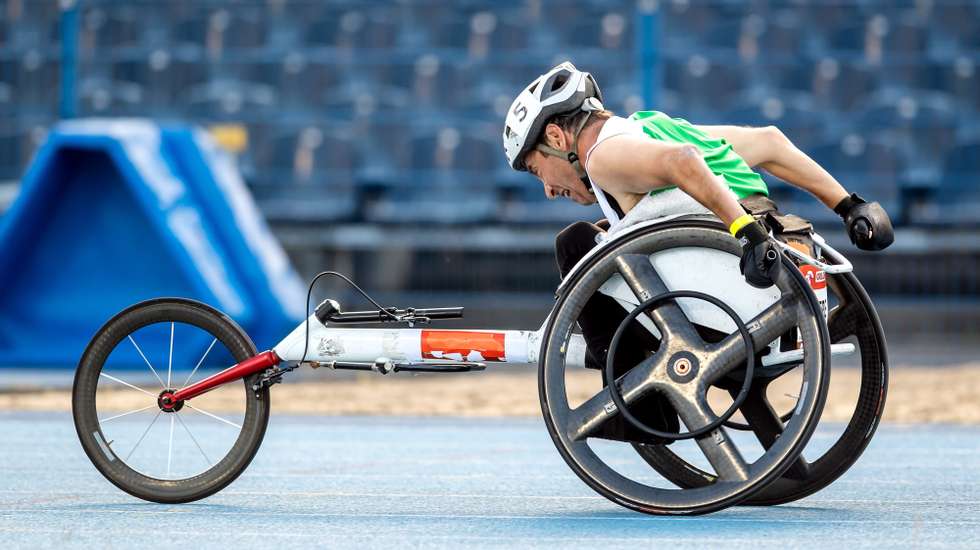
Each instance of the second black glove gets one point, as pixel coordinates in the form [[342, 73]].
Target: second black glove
[[867, 223]]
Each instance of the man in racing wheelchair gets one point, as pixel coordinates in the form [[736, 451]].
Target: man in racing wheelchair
[[650, 165]]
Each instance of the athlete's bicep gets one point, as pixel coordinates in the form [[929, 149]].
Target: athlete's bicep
[[630, 163]]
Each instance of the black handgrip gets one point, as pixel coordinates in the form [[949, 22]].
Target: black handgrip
[[440, 312], [377, 316]]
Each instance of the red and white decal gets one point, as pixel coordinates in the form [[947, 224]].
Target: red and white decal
[[463, 345], [816, 278]]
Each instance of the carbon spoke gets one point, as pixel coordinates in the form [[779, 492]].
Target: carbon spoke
[[101, 420], [214, 416], [140, 440], [765, 327], [717, 446], [170, 359], [644, 281], [842, 322], [194, 439], [147, 361], [127, 384], [170, 445], [760, 416], [799, 470], [589, 417], [199, 363]]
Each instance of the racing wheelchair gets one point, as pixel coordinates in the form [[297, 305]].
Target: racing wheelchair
[[719, 348]]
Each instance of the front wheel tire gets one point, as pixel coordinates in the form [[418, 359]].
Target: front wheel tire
[[147, 450]]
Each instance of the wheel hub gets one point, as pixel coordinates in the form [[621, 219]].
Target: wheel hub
[[168, 403], [683, 367]]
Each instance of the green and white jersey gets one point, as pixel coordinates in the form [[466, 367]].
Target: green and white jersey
[[717, 153]]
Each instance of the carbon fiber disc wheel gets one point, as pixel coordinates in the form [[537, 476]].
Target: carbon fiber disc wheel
[[854, 320], [574, 429], [146, 445]]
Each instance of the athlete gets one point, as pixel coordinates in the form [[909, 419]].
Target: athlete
[[650, 165]]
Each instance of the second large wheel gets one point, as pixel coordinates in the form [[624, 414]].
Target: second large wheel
[[574, 428]]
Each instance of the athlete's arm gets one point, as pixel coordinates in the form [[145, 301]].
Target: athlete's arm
[[637, 164], [769, 149]]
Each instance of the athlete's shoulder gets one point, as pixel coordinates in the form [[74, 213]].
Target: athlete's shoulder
[[658, 117]]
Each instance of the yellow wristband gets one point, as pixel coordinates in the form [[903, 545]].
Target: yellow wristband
[[740, 222]]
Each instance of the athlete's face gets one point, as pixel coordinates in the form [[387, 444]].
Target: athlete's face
[[557, 175]]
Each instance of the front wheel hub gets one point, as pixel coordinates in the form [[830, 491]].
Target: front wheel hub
[[167, 402]]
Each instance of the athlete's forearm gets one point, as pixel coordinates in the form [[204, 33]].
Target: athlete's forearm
[[793, 166], [693, 176]]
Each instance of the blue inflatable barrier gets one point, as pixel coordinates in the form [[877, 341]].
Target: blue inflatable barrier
[[112, 212]]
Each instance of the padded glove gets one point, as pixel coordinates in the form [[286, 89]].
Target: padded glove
[[867, 223], [760, 263]]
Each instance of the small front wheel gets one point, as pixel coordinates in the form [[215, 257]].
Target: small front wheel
[[141, 441]]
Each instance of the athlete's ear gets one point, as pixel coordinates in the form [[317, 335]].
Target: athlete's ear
[[554, 136]]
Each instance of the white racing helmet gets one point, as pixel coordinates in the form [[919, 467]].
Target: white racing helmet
[[560, 90]]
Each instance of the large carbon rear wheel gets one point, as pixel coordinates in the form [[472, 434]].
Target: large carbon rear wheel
[[852, 320], [151, 449], [575, 429]]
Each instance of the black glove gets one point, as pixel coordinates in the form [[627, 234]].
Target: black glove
[[867, 223], [760, 262]]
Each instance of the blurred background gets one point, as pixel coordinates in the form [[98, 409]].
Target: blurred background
[[369, 132]]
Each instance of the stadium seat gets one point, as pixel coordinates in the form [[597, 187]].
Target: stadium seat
[[784, 34], [906, 38], [927, 120], [796, 116], [843, 85], [873, 169], [307, 203], [528, 205], [847, 40], [961, 78], [607, 31], [692, 76], [957, 197], [446, 203], [34, 78]]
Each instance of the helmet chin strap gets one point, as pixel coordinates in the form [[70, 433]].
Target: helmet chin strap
[[571, 156]]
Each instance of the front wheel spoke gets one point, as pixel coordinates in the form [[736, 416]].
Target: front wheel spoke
[[199, 363], [147, 361], [101, 420], [214, 416], [589, 417], [170, 445], [765, 327], [140, 440], [127, 384], [194, 439], [646, 283], [170, 358]]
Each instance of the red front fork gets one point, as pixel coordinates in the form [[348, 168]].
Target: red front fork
[[247, 367]]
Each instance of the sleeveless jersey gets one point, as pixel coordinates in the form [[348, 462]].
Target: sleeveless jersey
[[717, 153]]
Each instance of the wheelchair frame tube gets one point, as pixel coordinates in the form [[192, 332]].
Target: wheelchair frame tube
[[414, 345]]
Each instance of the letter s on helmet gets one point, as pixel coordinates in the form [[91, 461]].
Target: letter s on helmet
[[560, 90]]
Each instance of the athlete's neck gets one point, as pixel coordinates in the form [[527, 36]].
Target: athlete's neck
[[588, 136]]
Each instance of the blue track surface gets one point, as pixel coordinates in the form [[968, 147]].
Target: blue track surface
[[382, 483]]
